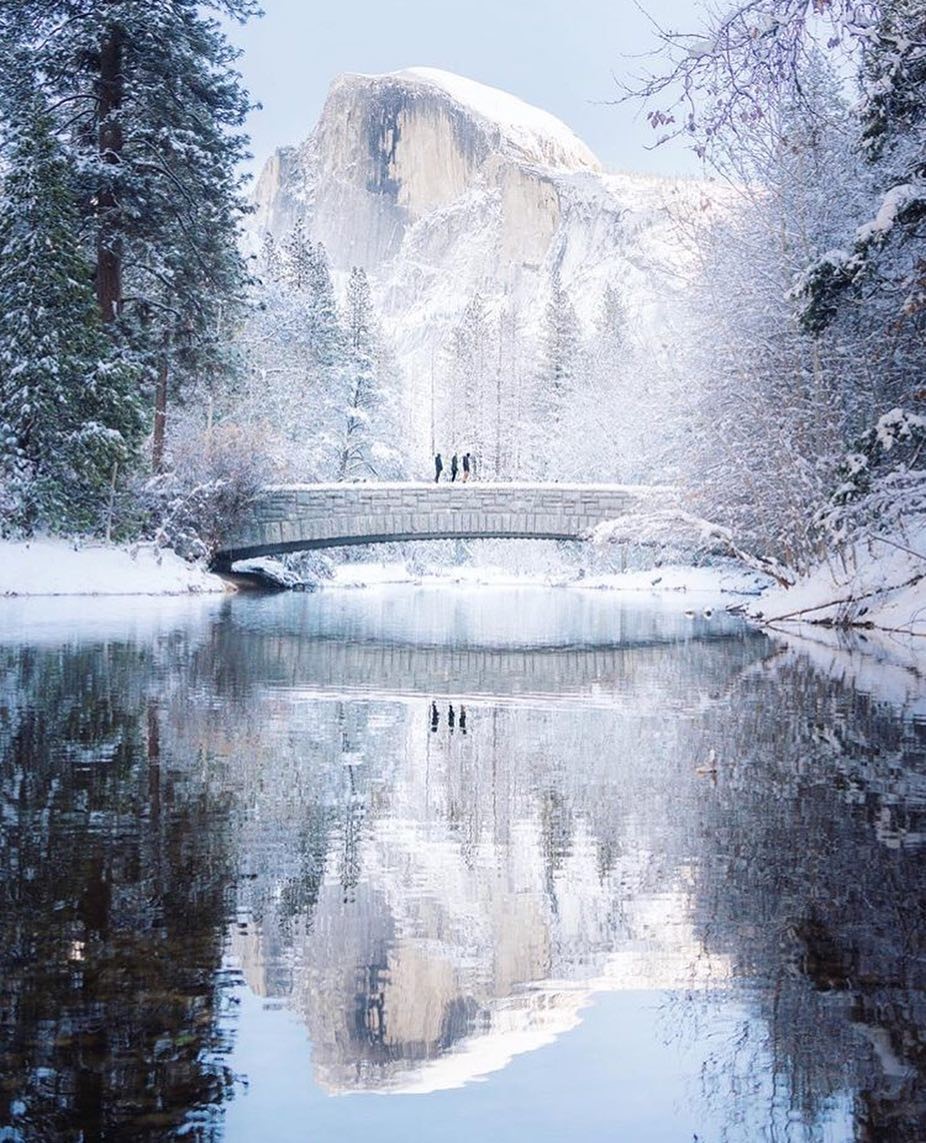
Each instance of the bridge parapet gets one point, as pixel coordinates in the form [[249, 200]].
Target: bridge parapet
[[301, 517]]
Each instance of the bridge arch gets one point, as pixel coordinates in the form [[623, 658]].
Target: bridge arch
[[303, 517]]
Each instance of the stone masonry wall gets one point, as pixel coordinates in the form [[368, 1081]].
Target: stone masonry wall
[[303, 517]]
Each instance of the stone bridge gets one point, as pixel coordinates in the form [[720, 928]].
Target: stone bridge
[[300, 517]]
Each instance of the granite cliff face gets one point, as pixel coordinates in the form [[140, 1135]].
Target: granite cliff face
[[392, 152]]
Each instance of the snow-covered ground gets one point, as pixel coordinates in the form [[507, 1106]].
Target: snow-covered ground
[[687, 586], [61, 567], [880, 583]]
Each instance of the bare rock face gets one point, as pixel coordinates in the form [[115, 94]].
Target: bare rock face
[[390, 151]]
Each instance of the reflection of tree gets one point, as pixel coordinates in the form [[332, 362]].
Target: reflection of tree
[[399, 886], [557, 826], [351, 836], [818, 894], [112, 883]]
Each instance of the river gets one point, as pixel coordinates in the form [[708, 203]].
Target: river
[[444, 863]]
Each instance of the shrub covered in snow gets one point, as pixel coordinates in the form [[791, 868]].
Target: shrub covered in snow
[[213, 479]]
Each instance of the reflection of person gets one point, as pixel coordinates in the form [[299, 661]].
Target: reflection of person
[[465, 467], [435, 717], [450, 719], [462, 719], [454, 468], [438, 467]]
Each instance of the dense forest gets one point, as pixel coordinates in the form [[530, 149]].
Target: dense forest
[[153, 374]]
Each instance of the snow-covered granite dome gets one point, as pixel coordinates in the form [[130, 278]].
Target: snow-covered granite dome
[[526, 132], [390, 149]]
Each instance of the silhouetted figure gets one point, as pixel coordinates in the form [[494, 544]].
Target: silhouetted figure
[[465, 467], [454, 468], [462, 719], [451, 719], [435, 718], [438, 467]]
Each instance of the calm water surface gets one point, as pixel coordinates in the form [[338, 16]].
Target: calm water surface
[[421, 864]]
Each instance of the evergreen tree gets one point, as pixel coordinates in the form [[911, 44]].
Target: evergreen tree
[[370, 439], [69, 408], [611, 335], [324, 324], [885, 258], [152, 109], [473, 359], [561, 351], [304, 273], [294, 262]]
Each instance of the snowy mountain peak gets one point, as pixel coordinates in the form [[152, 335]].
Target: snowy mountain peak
[[532, 134], [443, 189], [389, 150]]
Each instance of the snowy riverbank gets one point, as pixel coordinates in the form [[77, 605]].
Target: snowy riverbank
[[880, 584], [718, 586], [47, 567], [61, 567]]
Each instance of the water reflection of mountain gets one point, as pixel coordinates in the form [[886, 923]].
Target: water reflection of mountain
[[461, 893]]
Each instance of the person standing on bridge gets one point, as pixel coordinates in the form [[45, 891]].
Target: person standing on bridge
[[454, 468], [465, 467], [438, 468]]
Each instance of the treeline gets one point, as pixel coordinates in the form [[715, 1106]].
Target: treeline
[[535, 394]]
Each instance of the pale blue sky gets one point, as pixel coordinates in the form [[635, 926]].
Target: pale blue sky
[[559, 54]]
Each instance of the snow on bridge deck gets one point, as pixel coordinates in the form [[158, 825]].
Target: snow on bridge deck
[[299, 517]]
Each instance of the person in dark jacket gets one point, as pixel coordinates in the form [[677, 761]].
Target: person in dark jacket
[[465, 467], [454, 468], [438, 467]]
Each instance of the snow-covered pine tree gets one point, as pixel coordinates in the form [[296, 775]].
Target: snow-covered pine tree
[[70, 413], [325, 327], [294, 262], [558, 373], [597, 419], [885, 258], [153, 108], [302, 270], [371, 443]]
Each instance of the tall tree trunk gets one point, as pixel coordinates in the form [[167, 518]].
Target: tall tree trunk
[[110, 142], [160, 415]]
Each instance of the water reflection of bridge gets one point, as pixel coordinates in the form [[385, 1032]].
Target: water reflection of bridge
[[553, 672]]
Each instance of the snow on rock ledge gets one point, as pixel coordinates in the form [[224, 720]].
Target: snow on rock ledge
[[57, 567]]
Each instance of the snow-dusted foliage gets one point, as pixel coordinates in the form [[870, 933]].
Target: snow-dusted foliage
[[372, 435], [804, 326], [212, 478], [317, 377]]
